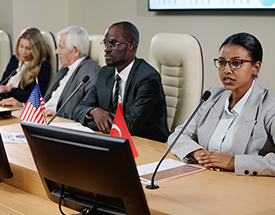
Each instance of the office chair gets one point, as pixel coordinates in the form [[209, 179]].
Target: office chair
[[5, 51], [96, 51], [51, 44], [178, 58]]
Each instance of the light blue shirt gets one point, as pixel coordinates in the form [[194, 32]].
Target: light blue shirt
[[222, 138]]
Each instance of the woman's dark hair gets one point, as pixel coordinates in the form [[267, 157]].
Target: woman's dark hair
[[249, 42]]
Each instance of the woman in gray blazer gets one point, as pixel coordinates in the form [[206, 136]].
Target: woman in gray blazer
[[235, 128]]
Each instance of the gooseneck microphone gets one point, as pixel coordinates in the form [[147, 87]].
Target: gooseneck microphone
[[204, 97], [85, 79], [13, 73]]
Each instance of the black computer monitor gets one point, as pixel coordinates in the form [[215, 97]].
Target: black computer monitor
[[5, 170], [94, 170]]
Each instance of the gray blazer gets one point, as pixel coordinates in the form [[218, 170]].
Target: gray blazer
[[253, 143], [144, 104], [86, 67]]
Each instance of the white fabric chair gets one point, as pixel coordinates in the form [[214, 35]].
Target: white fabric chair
[[178, 58], [5, 51], [96, 51], [51, 44]]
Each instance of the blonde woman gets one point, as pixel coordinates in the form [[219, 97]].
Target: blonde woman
[[30, 61]]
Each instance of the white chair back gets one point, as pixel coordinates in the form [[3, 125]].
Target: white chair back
[[5, 51], [96, 51], [178, 58], [51, 44]]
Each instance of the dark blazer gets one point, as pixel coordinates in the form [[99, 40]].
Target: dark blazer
[[86, 67], [22, 95], [144, 104]]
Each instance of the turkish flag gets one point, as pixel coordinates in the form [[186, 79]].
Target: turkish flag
[[119, 129]]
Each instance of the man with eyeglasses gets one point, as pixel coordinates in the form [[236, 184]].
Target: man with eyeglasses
[[134, 80]]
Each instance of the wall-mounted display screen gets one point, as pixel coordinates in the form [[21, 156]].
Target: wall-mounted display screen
[[155, 5]]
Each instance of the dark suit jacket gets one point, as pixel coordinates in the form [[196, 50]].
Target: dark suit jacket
[[86, 67], [144, 104], [22, 95]]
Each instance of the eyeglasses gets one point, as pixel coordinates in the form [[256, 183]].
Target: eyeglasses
[[112, 45], [234, 64]]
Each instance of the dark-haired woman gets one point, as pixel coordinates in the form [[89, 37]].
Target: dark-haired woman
[[235, 128]]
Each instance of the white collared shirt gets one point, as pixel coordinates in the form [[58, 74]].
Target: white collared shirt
[[124, 76], [52, 102], [222, 138], [17, 78]]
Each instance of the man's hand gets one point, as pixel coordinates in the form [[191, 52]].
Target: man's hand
[[49, 112], [214, 160], [103, 119], [10, 102]]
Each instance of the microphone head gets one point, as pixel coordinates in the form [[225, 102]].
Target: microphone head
[[206, 95], [13, 73], [85, 79]]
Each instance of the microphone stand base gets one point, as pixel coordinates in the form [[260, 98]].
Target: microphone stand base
[[152, 187]]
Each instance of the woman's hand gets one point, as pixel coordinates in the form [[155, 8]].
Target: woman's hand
[[214, 160], [6, 88], [10, 102]]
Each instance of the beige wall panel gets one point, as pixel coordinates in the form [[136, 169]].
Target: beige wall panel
[[47, 15], [210, 28]]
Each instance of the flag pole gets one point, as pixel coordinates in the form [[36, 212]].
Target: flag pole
[[45, 120]]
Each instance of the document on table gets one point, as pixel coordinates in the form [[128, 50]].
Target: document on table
[[20, 137], [72, 125], [13, 138], [4, 111], [169, 169]]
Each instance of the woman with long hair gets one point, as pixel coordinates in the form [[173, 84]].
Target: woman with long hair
[[31, 62]]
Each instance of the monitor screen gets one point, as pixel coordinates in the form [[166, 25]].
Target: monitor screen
[[5, 171], [155, 5], [92, 170]]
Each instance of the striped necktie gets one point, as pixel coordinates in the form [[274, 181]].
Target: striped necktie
[[116, 92]]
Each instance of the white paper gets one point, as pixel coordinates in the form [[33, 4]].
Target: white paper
[[72, 125], [13, 138], [168, 170], [4, 109], [166, 164]]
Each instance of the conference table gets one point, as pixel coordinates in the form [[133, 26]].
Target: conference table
[[202, 193]]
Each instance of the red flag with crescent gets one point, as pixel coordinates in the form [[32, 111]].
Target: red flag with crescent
[[119, 129]]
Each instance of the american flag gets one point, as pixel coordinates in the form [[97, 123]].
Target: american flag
[[33, 110]]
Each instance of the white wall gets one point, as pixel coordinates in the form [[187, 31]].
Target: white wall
[[210, 28]]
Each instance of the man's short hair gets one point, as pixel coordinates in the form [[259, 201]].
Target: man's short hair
[[130, 31], [76, 36]]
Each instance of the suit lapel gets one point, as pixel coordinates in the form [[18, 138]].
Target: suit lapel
[[212, 120], [247, 120], [129, 80], [106, 91], [68, 87], [55, 83]]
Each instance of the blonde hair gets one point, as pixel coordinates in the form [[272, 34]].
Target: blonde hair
[[39, 52]]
